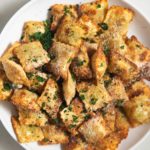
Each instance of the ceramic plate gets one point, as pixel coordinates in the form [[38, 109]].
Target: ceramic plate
[[37, 10]]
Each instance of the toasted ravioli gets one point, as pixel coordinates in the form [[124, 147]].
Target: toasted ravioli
[[73, 116], [8, 54], [69, 88], [95, 10], [119, 18], [93, 96], [50, 100], [123, 67], [37, 80], [57, 12], [80, 65], [31, 55], [53, 135], [62, 56], [99, 64], [15, 72], [32, 27], [77, 144], [28, 117], [5, 86], [70, 32], [116, 90], [26, 134], [25, 99], [138, 88], [138, 110], [94, 130]]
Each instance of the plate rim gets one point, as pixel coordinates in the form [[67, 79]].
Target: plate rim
[[25, 145]]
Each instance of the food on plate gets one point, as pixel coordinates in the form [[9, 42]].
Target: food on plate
[[77, 79]]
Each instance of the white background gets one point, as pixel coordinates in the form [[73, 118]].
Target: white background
[[7, 9]]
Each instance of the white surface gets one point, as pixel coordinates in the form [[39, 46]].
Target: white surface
[[6, 10]]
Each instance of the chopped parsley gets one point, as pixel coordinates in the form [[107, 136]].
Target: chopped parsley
[[46, 37], [83, 91], [66, 10], [138, 46], [43, 104], [82, 97], [73, 77], [98, 6], [29, 75], [70, 108], [80, 62], [72, 126], [40, 79], [56, 120], [7, 86], [93, 101], [63, 105], [34, 60], [122, 47], [119, 102], [106, 49], [69, 60], [107, 82], [101, 65], [14, 59], [75, 118], [87, 116], [104, 26], [55, 96]]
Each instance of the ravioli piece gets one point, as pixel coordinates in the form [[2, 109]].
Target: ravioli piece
[[72, 116], [123, 67], [95, 10], [70, 32], [15, 72], [138, 110], [25, 99], [31, 55], [37, 80], [57, 12], [117, 91], [99, 64], [69, 88], [8, 54], [53, 135], [94, 130], [5, 86], [28, 117], [50, 100], [32, 27], [118, 18], [26, 134], [62, 56], [140, 55], [80, 65], [93, 96], [76, 143], [138, 88]]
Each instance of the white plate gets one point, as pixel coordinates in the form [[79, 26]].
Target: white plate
[[37, 10]]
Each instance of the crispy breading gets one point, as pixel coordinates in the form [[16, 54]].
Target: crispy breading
[[69, 88], [93, 96], [80, 65], [50, 100], [123, 67], [95, 10], [70, 32], [116, 90], [118, 17], [99, 64], [37, 80], [5, 86], [57, 12], [28, 117], [62, 56], [76, 143], [31, 55], [25, 99], [54, 135], [15, 72], [32, 27], [139, 87], [138, 110], [73, 115], [94, 130], [26, 134]]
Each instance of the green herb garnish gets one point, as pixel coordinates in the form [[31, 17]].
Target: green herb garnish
[[80, 62], [40, 79], [82, 97], [104, 26], [93, 101], [75, 118], [72, 126], [87, 116], [98, 6], [70, 108], [106, 49], [43, 104], [107, 82], [7, 86], [122, 47], [66, 10], [29, 75], [119, 102]]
